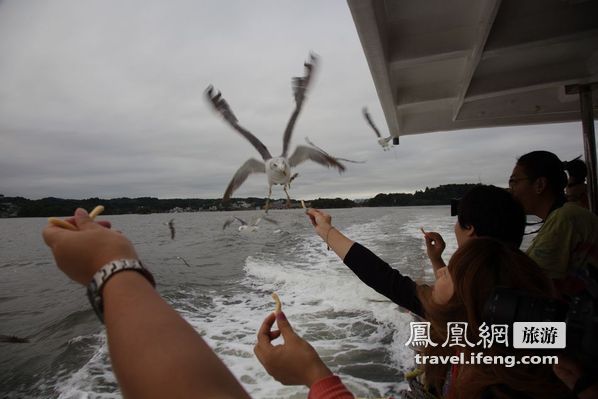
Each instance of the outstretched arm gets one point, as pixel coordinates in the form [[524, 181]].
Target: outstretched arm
[[366, 265], [155, 353]]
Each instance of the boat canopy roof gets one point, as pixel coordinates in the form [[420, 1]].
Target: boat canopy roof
[[443, 65]]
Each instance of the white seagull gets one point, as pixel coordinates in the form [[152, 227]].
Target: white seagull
[[383, 141], [246, 227], [277, 169]]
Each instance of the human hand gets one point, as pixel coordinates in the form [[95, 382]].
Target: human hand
[[435, 245], [321, 221], [79, 254], [295, 362]]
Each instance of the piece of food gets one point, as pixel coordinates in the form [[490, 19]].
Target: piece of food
[[303, 204], [96, 211], [278, 308], [67, 225], [423, 231], [62, 223]]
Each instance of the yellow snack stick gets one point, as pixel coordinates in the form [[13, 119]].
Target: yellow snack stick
[[303, 204], [423, 231], [413, 374], [62, 223], [67, 225], [278, 308], [96, 211]]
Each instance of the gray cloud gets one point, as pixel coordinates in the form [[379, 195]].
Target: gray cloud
[[105, 98]]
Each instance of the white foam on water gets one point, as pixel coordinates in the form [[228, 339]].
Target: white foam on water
[[92, 378], [326, 303]]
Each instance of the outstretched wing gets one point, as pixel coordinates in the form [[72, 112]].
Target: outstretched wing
[[269, 220], [251, 166], [243, 223], [227, 223], [303, 153], [368, 118], [308, 141], [184, 261], [222, 107], [266, 218], [300, 85]]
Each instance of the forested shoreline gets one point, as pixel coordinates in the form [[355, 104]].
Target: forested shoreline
[[51, 206]]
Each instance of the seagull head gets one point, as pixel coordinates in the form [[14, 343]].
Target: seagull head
[[278, 170]]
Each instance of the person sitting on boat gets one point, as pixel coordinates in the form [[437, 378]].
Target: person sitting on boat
[[577, 189], [566, 246], [484, 211], [474, 271]]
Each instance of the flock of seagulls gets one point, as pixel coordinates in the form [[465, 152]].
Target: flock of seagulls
[[278, 170]]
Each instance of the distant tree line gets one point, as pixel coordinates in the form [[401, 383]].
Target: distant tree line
[[440, 195], [51, 206]]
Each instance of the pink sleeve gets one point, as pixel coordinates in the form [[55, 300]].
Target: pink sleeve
[[330, 387]]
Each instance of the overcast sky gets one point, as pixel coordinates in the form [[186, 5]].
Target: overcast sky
[[104, 98]]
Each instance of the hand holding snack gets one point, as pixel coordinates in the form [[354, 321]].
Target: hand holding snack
[[68, 224], [80, 253], [321, 221], [295, 362], [435, 245]]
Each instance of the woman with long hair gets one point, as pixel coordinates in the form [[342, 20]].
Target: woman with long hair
[[476, 269]]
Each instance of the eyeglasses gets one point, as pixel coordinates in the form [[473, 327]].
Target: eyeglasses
[[514, 180]]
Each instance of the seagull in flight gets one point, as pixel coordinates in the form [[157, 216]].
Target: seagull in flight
[[246, 227], [383, 141], [171, 227], [184, 261], [277, 169]]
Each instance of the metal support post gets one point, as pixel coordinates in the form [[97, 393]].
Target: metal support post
[[589, 143]]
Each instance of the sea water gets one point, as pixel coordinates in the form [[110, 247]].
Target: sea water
[[220, 280]]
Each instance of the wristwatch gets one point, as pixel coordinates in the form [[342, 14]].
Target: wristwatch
[[94, 288]]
